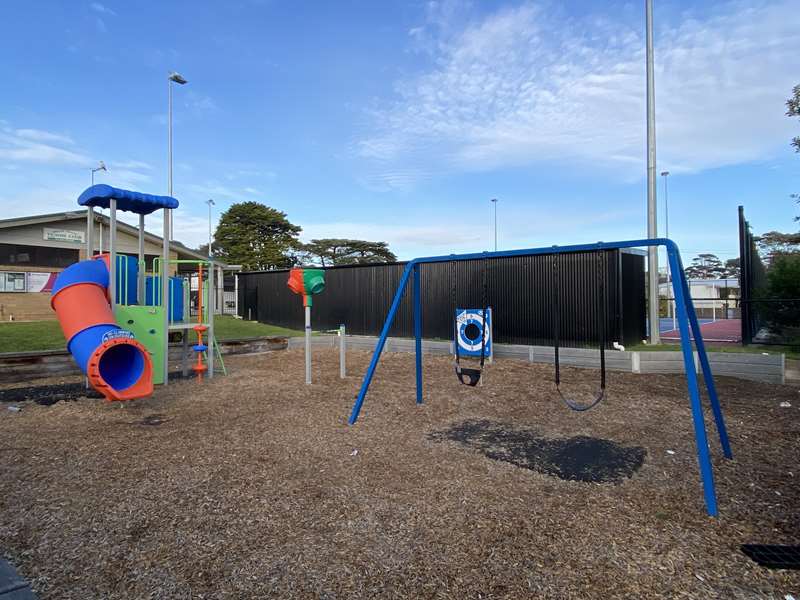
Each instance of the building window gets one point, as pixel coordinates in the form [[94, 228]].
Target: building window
[[37, 256], [12, 282]]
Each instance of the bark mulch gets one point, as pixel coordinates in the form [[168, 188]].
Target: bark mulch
[[253, 485]]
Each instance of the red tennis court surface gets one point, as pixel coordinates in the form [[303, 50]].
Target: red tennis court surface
[[725, 330]]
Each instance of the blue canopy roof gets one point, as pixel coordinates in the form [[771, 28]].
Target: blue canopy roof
[[135, 202]]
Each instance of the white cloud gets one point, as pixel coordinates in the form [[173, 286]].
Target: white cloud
[[38, 146], [37, 135], [100, 25], [530, 85], [130, 164], [101, 8], [405, 241]]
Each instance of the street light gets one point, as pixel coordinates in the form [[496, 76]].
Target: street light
[[179, 79], [101, 166], [652, 218], [210, 203], [494, 202]]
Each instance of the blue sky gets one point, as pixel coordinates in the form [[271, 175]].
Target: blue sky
[[398, 121]]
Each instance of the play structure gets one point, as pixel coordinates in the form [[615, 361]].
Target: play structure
[[117, 317], [687, 322], [307, 283]]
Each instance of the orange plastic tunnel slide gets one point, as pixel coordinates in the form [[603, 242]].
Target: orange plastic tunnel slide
[[116, 364]]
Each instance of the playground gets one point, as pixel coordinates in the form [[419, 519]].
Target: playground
[[253, 485]]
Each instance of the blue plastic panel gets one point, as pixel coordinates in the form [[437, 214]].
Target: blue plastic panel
[[100, 195]]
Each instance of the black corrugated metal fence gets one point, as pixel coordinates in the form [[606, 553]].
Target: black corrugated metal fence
[[520, 292]]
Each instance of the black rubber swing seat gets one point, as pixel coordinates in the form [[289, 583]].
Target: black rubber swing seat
[[468, 376], [578, 407]]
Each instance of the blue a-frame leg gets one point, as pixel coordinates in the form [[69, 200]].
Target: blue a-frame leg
[[418, 332], [687, 320]]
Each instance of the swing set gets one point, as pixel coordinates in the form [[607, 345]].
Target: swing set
[[687, 324]]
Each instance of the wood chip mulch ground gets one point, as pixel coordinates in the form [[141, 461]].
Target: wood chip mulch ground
[[253, 486]]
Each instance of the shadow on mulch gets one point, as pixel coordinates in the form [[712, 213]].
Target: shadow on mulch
[[50, 394], [580, 458]]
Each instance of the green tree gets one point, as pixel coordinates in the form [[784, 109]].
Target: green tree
[[706, 266], [775, 243], [783, 283], [329, 252], [255, 236], [732, 269], [793, 110]]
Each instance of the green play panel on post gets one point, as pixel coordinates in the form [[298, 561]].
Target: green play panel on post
[[147, 324]]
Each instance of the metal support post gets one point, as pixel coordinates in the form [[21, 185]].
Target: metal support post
[[212, 298], [89, 232], [342, 352], [142, 266], [701, 439], [112, 259], [165, 292], [418, 331], [308, 345]]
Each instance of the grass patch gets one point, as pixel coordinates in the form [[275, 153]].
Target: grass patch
[[228, 328], [789, 351], [30, 336], [46, 335]]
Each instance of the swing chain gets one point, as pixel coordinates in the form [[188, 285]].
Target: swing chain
[[602, 305]]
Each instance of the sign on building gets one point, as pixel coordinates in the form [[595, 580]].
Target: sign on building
[[64, 235], [40, 282]]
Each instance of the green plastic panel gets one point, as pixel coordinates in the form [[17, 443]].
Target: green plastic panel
[[147, 324]]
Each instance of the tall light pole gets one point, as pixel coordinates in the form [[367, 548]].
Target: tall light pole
[[179, 79], [101, 166], [494, 202], [652, 218], [210, 203]]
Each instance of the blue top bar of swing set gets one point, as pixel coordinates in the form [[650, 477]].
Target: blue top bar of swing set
[[669, 244]]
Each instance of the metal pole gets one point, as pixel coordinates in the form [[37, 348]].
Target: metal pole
[[165, 291], [652, 219], [89, 232], [342, 352], [701, 439], [236, 294], [665, 174], [112, 259], [169, 154], [494, 201], [212, 301], [308, 345], [417, 292], [142, 266], [210, 203]]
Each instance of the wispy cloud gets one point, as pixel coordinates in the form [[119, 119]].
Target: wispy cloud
[[100, 25], [102, 8], [38, 146], [37, 135], [532, 85], [130, 164]]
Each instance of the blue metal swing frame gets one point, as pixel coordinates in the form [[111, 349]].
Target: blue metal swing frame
[[687, 321]]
